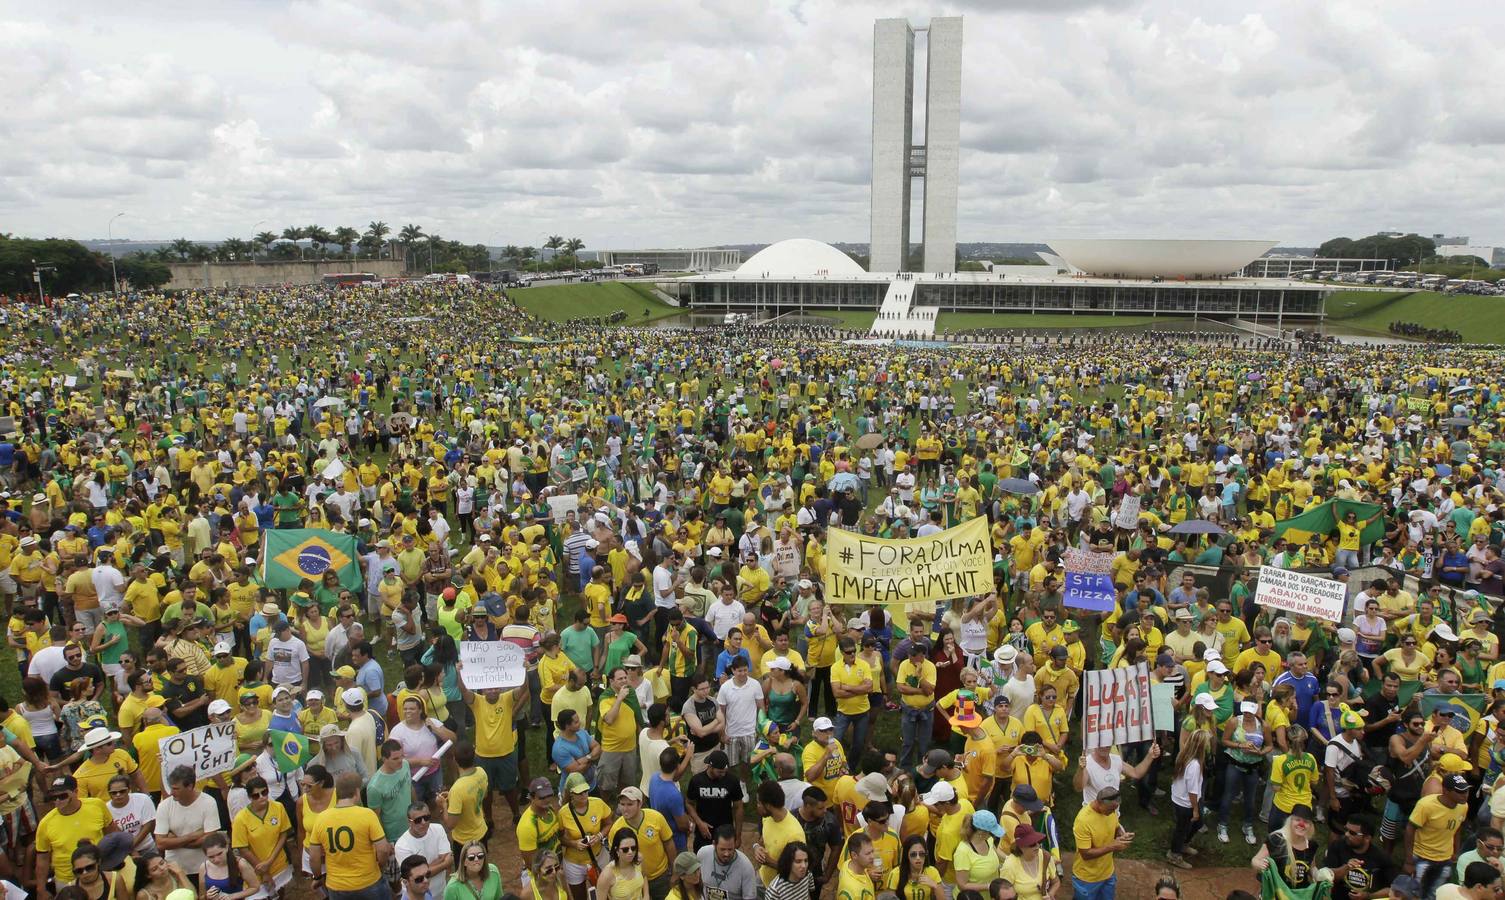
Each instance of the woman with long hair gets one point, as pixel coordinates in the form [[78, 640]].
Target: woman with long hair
[[1186, 795], [156, 877], [915, 877], [40, 710], [687, 883], [949, 663], [795, 880], [476, 878], [1294, 774], [225, 874], [88, 877], [622, 878], [784, 688], [1247, 747], [1293, 847], [442, 654], [546, 878], [313, 627], [977, 858]]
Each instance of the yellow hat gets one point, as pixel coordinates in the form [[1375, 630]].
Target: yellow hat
[[1452, 763]]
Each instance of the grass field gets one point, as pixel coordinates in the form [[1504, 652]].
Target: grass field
[[848, 318], [948, 321], [557, 302], [1481, 320]]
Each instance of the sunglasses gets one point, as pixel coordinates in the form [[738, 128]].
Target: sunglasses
[[257, 795], [419, 820], [418, 879], [475, 857], [83, 870], [628, 848], [548, 870], [118, 792]]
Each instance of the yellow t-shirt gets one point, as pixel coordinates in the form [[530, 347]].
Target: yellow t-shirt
[[852, 675], [1294, 777], [591, 821], [60, 835], [835, 767], [851, 886], [494, 734], [1436, 825], [94, 777], [465, 798], [912, 675], [619, 736], [775, 836], [260, 833], [1093, 829], [651, 831], [349, 835]]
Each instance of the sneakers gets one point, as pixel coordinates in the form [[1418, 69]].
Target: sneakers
[[1177, 860], [1249, 837], [1190, 851], [1223, 834]]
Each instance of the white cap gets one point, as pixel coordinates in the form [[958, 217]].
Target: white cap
[[823, 724], [1211, 653], [1217, 667], [1207, 702], [941, 792], [1445, 632], [855, 624], [806, 584], [314, 695], [1006, 654], [354, 697], [592, 543], [250, 560], [780, 662], [714, 552], [1347, 636], [1248, 706], [282, 689], [222, 647], [218, 708]]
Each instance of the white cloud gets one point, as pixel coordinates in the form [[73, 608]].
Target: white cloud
[[709, 121]]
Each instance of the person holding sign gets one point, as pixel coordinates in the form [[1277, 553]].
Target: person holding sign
[[495, 736]]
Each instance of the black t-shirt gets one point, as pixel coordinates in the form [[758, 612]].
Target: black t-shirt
[[1371, 869], [62, 677], [820, 834], [1377, 708], [177, 695], [1298, 866], [705, 711], [714, 799]]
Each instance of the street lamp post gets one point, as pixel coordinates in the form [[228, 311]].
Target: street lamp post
[[110, 233]]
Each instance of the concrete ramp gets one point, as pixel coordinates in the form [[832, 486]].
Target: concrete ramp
[[899, 317]]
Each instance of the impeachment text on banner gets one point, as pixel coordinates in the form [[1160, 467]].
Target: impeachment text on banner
[[957, 562], [1305, 594]]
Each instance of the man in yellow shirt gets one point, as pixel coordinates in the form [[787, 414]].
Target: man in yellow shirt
[[464, 812], [496, 738], [72, 820], [823, 760], [916, 684], [348, 849], [851, 682], [261, 831], [1098, 837], [1434, 828], [1262, 652]]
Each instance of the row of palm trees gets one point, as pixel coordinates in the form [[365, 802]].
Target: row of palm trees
[[349, 243]]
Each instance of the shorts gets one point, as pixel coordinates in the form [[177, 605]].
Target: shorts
[[501, 771], [739, 749], [7, 583], [18, 828], [574, 873], [618, 769], [697, 762], [117, 672]]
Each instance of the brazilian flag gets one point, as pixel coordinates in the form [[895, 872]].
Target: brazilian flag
[[289, 555], [289, 750], [1273, 887], [1323, 519], [1466, 708]]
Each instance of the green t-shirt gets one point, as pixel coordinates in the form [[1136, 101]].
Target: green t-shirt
[[617, 650], [389, 795]]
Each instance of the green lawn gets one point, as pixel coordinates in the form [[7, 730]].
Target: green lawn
[[1480, 320], [848, 318], [558, 302], [948, 321], [1345, 305]]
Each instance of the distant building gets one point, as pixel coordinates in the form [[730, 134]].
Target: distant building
[[1296, 266], [687, 260], [1442, 240]]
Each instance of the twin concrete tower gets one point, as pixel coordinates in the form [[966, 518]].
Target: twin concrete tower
[[898, 160]]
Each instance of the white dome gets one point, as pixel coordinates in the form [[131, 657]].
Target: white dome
[[800, 256], [1166, 259]]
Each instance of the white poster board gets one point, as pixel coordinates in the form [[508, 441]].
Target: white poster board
[[560, 504], [492, 664], [1308, 595], [1128, 513], [209, 751], [1118, 707]]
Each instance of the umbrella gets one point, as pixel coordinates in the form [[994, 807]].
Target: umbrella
[[1458, 421], [1018, 486], [1197, 526], [869, 441], [776, 363], [843, 480], [329, 401], [1462, 389]]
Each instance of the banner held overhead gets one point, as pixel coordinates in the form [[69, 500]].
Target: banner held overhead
[[957, 562]]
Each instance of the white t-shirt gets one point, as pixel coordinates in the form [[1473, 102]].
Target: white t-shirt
[[175, 818], [1189, 783], [287, 659], [138, 810], [741, 706], [433, 844], [1100, 778], [663, 587], [109, 584], [723, 617], [1338, 759], [417, 743]]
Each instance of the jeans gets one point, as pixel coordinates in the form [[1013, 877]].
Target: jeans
[[1238, 778], [377, 890], [1348, 559], [1431, 875], [1094, 890], [914, 730], [1182, 830], [858, 724]]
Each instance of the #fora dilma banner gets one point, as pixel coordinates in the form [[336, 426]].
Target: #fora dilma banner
[[957, 562]]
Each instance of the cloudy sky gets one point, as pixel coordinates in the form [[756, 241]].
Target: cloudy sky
[[675, 122]]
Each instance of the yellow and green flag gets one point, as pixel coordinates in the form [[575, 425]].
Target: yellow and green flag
[[289, 555], [289, 750], [1323, 519]]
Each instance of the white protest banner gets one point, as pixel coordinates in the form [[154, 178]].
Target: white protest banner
[[1118, 707], [559, 504], [1309, 595], [957, 562], [1128, 513], [335, 469], [208, 751], [1079, 560], [492, 664]]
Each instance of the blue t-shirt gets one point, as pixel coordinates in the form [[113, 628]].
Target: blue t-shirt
[[566, 752], [370, 678], [664, 796], [724, 661], [1306, 688]]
